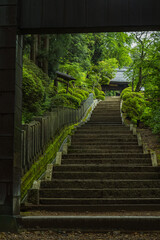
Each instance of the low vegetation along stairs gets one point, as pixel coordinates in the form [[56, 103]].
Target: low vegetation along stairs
[[104, 169]]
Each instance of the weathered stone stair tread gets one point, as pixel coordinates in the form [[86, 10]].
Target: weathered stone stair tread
[[106, 175], [108, 144], [107, 155], [104, 136], [140, 162], [101, 128], [115, 147], [94, 184], [80, 150], [97, 201], [104, 140], [90, 124], [103, 131], [100, 193], [104, 167], [106, 123]]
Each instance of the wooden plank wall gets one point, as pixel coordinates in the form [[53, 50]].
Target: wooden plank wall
[[10, 108], [63, 16]]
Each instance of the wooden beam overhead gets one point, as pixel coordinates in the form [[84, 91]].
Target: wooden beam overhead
[[62, 16]]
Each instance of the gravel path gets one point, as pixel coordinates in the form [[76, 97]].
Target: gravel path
[[41, 235]]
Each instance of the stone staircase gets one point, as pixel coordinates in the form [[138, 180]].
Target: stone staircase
[[104, 169]]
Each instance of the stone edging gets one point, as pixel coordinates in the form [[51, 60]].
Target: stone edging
[[146, 150]]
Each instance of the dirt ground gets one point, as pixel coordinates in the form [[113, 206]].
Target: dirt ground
[[152, 140], [48, 235]]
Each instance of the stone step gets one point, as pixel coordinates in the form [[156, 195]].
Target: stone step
[[98, 202], [118, 156], [99, 123], [104, 136], [106, 122], [105, 150], [106, 114], [108, 141], [106, 175], [109, 105], [100, 193], [105, 147], [115, 161], [92, 127], [105, 118], [105, 111], [107, 144], [99, 184], [103, 131], [105, 168], [91, 224]]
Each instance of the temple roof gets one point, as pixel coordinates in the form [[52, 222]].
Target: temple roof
[[120, 76]]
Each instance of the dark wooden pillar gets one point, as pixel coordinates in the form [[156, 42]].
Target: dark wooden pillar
[[10, 112]]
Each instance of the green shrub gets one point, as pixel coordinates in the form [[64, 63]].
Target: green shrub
[[75, 101], [133, 94], [70, 90], [125, 91], [84, 93], [151, 117], [59, 101], [133, 106], [33, 88], [96, 90], [63, 90], [99, 94], [34, 69], [101, 97]]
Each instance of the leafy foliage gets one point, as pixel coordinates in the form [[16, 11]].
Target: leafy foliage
[[33, 89], [99, 94], [137, 108], [133, 105]]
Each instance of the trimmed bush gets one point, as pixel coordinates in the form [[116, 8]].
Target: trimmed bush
[[101, 97], [62, 91], [99, 94], [59, 101], [33, 89], [75, 101], [126, 90], [133, 105], [84, 93]]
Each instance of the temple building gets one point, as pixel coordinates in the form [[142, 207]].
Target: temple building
[[117, 84]]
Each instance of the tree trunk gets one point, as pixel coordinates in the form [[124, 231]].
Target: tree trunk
[[34, 48], [139, 84], [45, 60], [39, 62]]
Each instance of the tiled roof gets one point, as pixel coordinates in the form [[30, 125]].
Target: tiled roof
[[120, 76]]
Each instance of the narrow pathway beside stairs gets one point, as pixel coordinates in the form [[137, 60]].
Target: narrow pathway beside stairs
[[104, 170]]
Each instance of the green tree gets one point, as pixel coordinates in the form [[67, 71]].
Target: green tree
[[102, 73], [118, 45], [143, 58]]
